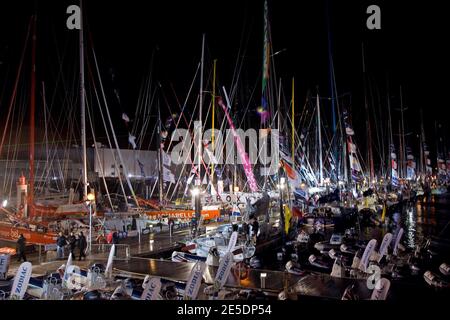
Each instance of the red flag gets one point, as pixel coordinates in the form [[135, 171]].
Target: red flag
[[289, 170]]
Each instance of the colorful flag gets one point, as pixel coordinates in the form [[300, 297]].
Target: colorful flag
[[287, 218]]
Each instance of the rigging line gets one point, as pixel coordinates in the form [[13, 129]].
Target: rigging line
[[147, 87], [116, 167], [98, 156], [146, 120], [13, 96], [112, 130], [186, 101], [239, 61]]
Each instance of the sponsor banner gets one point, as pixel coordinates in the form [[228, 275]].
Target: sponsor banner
[[108, 270], [366, 255], [223, 271], [152, 289], [397, 241], [384, 245], [194, 281], [21, 280], [4, 265], [381, 289]]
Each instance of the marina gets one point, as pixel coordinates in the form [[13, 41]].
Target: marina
[[234, 174]]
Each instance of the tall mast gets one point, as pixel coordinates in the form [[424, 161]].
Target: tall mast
[[82, 104], [320, 143], [293, 126], [160, 159], [213, 116], [334, 149], [200, 113], [421, 141], [369, 130], [391, 138], [400, 171], [32, 114], [402, 136]]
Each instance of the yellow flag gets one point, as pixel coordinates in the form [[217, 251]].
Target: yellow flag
[[383, 213], [287, 218]]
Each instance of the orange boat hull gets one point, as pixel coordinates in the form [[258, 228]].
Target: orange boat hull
[[11, 233]]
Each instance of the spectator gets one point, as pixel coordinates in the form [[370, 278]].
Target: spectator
[[61, 242], [115, 238], [82, 245], [21, 245], [72, 244]]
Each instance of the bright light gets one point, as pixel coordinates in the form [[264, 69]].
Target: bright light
[[195, 192], [4, 203], [263, 275], [282, 180], [91, 196], [236, 189]]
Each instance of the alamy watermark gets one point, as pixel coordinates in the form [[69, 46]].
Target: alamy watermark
[[229, 147]]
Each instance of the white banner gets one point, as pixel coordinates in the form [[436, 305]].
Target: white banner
[[366, 255], [168, 175], [109, 265], [397, 241], [68, 264], [21, 280], [152, 289], [381, 289], [194, 281], [384, 245], [4, 265], [223, 271], [233, 240]]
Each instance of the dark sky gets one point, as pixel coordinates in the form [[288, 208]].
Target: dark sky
[[410, 49]]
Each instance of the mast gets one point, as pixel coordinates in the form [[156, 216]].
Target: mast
[[200, 113], [82, 104], [213, 119], [319, 142], [391, 138], [160, 159], [32, 115], [292, 126], [334, 149], [400, 171], [369, 130], [402, 136], [421, 141]]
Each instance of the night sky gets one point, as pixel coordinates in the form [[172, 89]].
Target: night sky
[[409, 50]]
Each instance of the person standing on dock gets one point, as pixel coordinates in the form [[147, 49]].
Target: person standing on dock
[[72, 244], [82, 244], [61, 242], [21, 245]]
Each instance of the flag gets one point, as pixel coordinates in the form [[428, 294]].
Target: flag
[[168, 175], [349, 131], [290, 172], [125, 117], [383, 214], [287, 218], [132, 141]]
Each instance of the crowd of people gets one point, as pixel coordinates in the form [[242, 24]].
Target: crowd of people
[[73, 242]]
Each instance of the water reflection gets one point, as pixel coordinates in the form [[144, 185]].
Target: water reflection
[[425, 219]]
